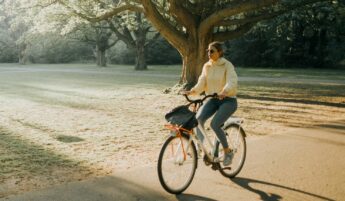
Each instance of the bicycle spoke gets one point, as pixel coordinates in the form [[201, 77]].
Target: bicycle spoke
[[237, 143]]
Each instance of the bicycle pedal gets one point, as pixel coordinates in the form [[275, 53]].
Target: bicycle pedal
[[215, 167], [207, 161]]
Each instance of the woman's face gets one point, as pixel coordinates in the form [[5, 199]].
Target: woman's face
[[213, 53]]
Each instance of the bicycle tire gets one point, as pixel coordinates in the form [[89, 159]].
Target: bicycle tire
[[162, 172], [236, 166]]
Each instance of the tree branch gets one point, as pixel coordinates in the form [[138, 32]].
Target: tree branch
[[216, 19], [240, 7], [104, 16], [249, 19], [176, 38], [112, 44], [87, 39], [118, 10], [154, 38], [183, 16], [264, 16], [125, 38], [229, 35]]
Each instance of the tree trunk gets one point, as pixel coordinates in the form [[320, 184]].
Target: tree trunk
[[193, 56], [100, 57], [191, 70], [322, 48], [22, 54], [140, 62]]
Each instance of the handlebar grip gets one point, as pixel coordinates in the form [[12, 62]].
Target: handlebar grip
[[186, 96], [213, 96]]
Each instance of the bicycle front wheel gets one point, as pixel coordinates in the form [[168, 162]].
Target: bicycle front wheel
[[237, 142], [177, 163]]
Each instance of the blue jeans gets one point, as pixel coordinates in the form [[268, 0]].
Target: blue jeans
[[222, 109]]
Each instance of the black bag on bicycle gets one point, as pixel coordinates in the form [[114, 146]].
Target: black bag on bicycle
[[182, 116]]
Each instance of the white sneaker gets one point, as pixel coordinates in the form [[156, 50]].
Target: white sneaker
[[228, 158]]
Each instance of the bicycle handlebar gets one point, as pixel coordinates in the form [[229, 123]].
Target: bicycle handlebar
[[200, 100]]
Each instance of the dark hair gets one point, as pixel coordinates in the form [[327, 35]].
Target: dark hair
[[218, 46]]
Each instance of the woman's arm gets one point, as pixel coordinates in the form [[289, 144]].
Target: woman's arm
[[231, 80], [201, 85]]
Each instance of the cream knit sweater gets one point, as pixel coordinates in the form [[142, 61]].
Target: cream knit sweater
[[217, 77]]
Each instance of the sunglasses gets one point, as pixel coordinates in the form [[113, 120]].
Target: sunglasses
[[210, 51]]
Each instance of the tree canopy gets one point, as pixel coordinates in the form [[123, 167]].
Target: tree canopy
[[270, 31]]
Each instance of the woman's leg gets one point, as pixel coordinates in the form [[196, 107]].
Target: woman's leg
[[226, 109], [204, 113]]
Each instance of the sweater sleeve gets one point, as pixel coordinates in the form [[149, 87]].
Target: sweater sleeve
[[231, 79], [201, 85]]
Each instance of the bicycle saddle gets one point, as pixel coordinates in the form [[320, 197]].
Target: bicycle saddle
[[236, 120]]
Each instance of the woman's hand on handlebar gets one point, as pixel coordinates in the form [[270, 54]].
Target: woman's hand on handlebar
[[221, 95]]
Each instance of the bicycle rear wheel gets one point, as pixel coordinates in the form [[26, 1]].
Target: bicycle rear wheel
[[177, 163], [237, 142]]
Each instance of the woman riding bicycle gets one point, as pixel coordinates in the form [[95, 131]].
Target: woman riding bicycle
[[218, 76]]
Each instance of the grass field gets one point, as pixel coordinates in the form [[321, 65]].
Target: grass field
[[61, 123]]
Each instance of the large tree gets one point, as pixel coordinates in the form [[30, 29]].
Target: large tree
[[191, 25]]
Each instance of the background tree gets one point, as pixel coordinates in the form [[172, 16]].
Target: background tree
[[312, 37], [56, 18], [162, 53], [18, 24], [135, 31], [56, 48], [313, 33], [98, 35], [8, 51], [130, 27]]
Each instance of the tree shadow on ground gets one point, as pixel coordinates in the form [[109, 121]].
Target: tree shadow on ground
[[335, 127], [265, 196], [108, 188], [24, 161], [68, 139], [40, 95], [288, 100]]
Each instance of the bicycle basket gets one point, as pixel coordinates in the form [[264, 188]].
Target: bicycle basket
[[182, 116]]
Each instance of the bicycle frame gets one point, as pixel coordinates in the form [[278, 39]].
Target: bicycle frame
[[209, 154], [177, 131]]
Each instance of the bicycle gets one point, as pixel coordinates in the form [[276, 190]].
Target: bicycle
[[178, 158]]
